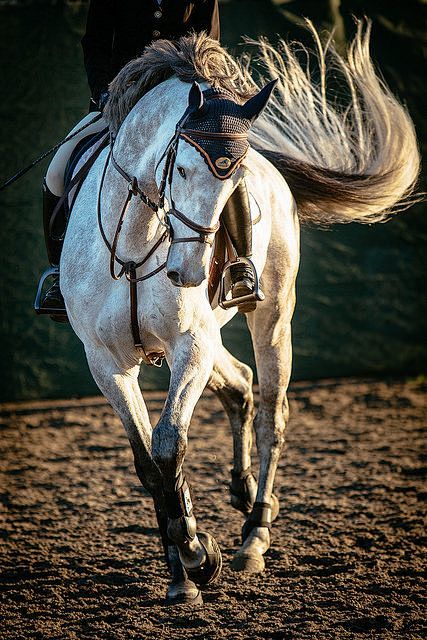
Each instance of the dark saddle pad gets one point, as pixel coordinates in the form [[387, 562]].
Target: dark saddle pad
[[81, 148]]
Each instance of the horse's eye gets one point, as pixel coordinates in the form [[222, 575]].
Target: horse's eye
[[181, 172]]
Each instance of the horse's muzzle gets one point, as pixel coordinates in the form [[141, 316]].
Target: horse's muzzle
[[177, 280]]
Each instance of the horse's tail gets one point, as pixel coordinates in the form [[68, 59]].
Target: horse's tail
[[349, 160]]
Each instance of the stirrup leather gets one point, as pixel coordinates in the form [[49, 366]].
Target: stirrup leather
[[51, 311], [256, 295]]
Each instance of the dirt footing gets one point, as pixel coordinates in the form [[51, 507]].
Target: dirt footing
[[80, 552]]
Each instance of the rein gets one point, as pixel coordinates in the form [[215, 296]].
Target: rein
[[128, 268]]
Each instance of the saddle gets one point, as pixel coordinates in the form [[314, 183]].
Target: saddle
[[81, 160]]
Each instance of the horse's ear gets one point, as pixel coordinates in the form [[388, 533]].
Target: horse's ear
[[254, 107], [195, 98]]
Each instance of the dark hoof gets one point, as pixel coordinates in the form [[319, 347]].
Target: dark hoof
[[184, 594], [248, 563], [210, 570]]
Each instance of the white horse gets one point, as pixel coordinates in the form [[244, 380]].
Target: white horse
[[355, 163]]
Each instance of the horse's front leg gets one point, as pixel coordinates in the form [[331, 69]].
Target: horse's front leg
[[120, 386], [191, 365]]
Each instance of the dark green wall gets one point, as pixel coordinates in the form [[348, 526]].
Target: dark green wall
[[361, 291]]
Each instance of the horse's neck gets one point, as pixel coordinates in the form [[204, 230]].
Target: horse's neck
[[139, 145]]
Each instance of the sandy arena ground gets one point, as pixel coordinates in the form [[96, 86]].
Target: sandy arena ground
[[81, 558]]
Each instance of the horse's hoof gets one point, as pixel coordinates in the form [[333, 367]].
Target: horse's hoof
[[209, 571], [184, 593], [250, 563], [275, 507]]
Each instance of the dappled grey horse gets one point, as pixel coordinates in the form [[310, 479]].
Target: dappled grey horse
[[147, 214]]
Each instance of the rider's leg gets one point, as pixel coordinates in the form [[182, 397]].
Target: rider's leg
[[238, 222], [53, 298], [53, 189]]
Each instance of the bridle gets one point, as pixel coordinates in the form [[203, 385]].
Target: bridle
[[205, 235]]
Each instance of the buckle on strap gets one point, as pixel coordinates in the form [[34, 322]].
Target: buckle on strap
[[133, 186], [155, 359]]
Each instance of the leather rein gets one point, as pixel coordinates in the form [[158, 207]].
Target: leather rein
[[128, 268]]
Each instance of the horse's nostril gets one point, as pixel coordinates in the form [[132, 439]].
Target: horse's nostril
[[175, 277]]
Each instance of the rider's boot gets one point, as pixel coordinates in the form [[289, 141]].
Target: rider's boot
[[53, 298], [238, 222]]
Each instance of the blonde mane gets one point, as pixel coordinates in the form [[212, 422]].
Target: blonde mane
[[192, 57]]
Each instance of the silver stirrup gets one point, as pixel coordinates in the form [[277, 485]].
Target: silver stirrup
[[256, 296], [51, 271]]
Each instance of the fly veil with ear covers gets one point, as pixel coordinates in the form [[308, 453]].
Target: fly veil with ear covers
[[218, 127], [218, 115]]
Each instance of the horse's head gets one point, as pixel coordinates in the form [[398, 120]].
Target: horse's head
[[203, 168]]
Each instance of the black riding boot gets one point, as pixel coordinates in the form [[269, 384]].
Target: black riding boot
[[53, 298], [237, 220]]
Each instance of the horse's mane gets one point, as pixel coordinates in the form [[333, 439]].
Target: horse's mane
[[192, 57], [344, 163]]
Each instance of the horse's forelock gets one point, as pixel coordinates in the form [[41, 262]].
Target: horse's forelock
[[192, 57]]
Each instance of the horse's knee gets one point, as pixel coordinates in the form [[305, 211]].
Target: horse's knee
[[168, 446], [270, 431], [235, 392], [245, 385]]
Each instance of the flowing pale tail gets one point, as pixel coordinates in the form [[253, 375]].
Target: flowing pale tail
[[353, 163]]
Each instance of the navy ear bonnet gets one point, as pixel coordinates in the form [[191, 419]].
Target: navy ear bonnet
[[218, 114]]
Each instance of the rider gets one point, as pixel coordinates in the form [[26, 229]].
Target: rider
[[116, 32]]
